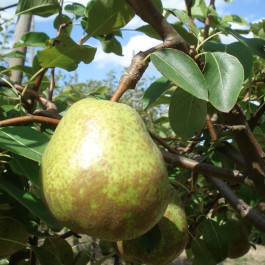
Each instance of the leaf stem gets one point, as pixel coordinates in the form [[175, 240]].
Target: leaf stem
[[203, 42]]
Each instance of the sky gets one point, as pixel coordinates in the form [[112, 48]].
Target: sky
[[132, 41]]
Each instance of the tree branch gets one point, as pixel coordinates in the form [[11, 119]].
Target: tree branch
[[208, 20], [246, 211], [227, 174]]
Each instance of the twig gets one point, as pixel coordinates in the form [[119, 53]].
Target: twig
[[162, 142], [52, 84], [69, 234], [207, 20], [211, 128], [227, 174], [253, 121], [189, 5], [246, 211], [192, 144], [29, 119], [231, 127]]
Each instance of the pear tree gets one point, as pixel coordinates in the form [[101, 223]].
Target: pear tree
[[137, 171]]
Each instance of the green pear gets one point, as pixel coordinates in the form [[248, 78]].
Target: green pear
[[13, 236], [102, 174], [173, 238], [237, 238]]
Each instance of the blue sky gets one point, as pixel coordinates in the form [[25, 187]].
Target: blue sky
[[133, 42]]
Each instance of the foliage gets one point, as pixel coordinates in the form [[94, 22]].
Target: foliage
[[207, 106]]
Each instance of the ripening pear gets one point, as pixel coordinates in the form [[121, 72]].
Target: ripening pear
[[174, 237], [13, 236], [102, 174], [237, 236]]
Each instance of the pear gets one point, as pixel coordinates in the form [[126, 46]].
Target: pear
[[237, 238], [13, 236], [102, 174], [172, 241]]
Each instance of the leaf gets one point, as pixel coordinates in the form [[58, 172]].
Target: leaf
[[14, 54], [237, 49], [184, 18], [256, 45], [202, 256], [186, 114], [105, 16], [224, 75], [35, 39], [61, 249], [44, 8], [82, 258], [65, 19], [215, 240], [25, 167], [149, 240], [75, 8], [65, 53], [199, 9], [110, 44], [159, 5], [235, 19], [181, 70], [32, 203], [155, 91], [23, 141], [45, 256]]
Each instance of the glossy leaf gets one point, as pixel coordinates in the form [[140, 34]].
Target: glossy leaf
[[65, 53], [256, 45], [42, 8], [105, 16], [187, 114], [202, 255], [31, 202], [23, 141], [14, 54], [224, 75], [110, 44], [237, 49], [235, 19], [25, 167], [60, 248], [185, 19], [36, 39], [199, 9], [181, 70], [215, 240], [155, 91], [75, 8], [45, 256]]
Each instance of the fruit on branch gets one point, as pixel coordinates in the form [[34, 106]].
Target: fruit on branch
[[13, 236], [237, 238], [170, 242], [102, 174]]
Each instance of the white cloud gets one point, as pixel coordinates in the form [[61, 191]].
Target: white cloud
[[135, 44]]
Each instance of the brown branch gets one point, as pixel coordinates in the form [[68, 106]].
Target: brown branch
[[211, 128], [231, 127], [246, 211], [249, 148], [29, 119], [227, 174], [189, 6], [253, 121], [208, 20], [52, 84], [162, 142]]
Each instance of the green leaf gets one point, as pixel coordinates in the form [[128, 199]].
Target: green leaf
[[25, 167], [32, 203], [65, 53], [65, 19], [44, 8], [256, 45], [105, 16], [199, 9], [149, 240], [215, 240], [82, 258], [181, 70], [202, 256], [224, 75], [159, 5], [237, 49], [235, 19], [75, 8], [61, 249], [23, 141], [14, 54], [155, 91], [36, 39], [45, 256], [184, 18], [110, 44], [186, 114]]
